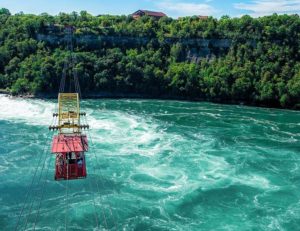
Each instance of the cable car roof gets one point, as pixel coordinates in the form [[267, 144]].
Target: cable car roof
[[69, 143]]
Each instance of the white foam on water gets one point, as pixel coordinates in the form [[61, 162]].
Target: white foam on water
[[3, 169], [29, 111], [255, 181], [131, 134], [209, 114], [216, 172], [103, 124]]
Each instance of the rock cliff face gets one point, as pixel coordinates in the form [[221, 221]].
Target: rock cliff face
[[194, 48], [94, 39]]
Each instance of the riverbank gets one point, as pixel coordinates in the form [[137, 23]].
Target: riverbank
[[108, 95]]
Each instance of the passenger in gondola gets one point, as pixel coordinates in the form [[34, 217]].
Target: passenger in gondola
[[80, 166], [60, 165], [69, 155], [80, 162]]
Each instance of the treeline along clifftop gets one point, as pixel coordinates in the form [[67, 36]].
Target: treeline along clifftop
[[250, 60]]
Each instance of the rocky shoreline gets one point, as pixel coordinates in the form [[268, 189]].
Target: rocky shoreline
[[108, 95]]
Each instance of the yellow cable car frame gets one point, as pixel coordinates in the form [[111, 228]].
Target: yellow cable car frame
[[69, 113]]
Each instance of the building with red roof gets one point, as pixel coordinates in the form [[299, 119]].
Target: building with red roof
[[154, 14]]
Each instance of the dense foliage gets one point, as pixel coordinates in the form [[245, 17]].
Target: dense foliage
[[261, 65]]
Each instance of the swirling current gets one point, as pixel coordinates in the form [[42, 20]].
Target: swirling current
[[153, 165]]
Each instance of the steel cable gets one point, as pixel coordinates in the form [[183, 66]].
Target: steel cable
[[33, 178], [102, 181], [42, 195]]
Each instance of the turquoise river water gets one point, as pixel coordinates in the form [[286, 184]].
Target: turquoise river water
[[154, 165]]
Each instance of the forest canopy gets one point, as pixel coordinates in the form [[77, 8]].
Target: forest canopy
[[250, 60]]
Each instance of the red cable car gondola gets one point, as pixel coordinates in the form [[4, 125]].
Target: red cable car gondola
[[70, 158], [70, 144]]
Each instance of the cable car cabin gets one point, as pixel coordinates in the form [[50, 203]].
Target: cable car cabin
[[70, 159], [70, 166], [70, 144]]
